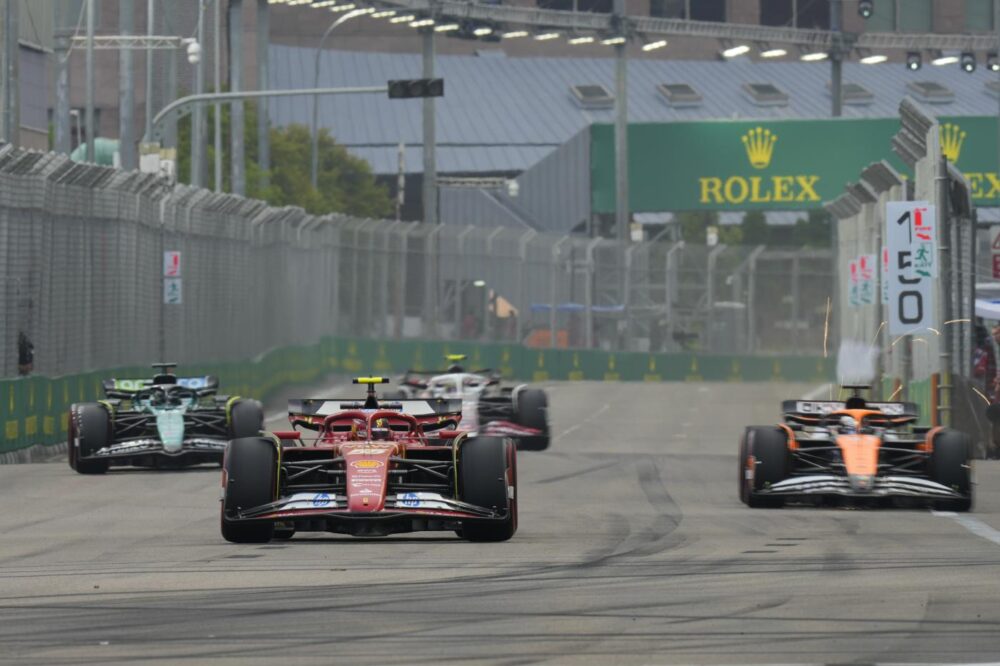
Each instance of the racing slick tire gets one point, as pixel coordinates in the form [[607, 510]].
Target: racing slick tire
[[949, 465], [89, 431], [764, 460], [530, 410], [246, 418], [248, 479], [487, 467]]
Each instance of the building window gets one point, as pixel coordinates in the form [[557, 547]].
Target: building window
[[777, 12], [708, 10], [696, 10], [883, 18], [917, 17], [675, 9], [811, 14], [979, 15], [600, 6]]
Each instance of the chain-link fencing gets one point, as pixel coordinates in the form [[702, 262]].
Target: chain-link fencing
[[82, 283]]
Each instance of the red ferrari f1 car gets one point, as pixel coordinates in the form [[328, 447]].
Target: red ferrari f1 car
[[372, 468], [855, 451]]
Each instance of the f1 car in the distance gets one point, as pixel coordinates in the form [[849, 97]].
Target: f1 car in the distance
[[166, 421], [489, 408], [858, 451], [370, 469]]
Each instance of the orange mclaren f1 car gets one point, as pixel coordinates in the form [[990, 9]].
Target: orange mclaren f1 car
[[856, 451]]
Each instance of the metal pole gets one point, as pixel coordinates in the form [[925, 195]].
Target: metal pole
[[217, 134], [314, 126], [836, 58], [11, 85], [170, 135], [944, 270], [430, 166], [621, 164], [126, 92], [401, 182], [198, 115], [63, 140], [150, 31], [91, 133], [263, 140], [236, 125], [996, 27]]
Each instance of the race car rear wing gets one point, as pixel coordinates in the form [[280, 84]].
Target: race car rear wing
[[819, 408], [205, 385], [310, 412]]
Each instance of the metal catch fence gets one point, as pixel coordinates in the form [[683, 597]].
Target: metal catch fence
[[82, 279]]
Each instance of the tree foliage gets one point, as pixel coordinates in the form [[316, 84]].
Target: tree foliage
[[345, 183]]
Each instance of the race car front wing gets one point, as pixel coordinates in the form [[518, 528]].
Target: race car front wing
[[880, 486]]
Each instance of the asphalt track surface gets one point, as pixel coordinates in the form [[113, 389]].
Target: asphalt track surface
[[632, 549]]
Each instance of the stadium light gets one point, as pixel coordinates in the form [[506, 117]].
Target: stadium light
[[446, 27], [767, 51], [613, 41], [944, 59], [914, 60], [385, 13], [405, 18], [482, 32], [652, 46], [874, 59], [814, 56], [866, 8], [422, 23], [546, 36], [582, 40], [968, 62], [514, 34], [992, 62], [734, 51]]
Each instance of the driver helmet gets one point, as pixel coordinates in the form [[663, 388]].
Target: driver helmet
[[455, 367], [381, 430]]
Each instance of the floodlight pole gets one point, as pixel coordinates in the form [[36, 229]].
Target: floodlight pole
[[126, 102], [236, 117], [836, 57], [89, 103], [430, 195]]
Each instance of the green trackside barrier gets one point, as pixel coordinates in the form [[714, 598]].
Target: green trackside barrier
[[33, 409]]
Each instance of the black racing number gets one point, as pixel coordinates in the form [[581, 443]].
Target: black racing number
[[911, 300]]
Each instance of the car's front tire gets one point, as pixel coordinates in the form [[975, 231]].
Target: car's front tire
[[950, 465], [488, 478], [249, 477], [89, 431], [764, 460]]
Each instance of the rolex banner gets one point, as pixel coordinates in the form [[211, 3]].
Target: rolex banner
[[771, 165]]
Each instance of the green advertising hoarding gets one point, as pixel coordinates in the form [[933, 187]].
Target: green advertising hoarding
[[771, 164]]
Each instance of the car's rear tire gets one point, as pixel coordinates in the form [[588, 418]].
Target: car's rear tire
[[89, 431], [488, 478], [246, 418], [950, 465], [764, 461], [249, 474], [531, 408]]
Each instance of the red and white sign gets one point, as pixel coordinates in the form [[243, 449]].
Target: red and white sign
[[996, 266], [172, 263]]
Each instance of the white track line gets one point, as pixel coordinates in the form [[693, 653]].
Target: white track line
[[974, 525], [570, 429]]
